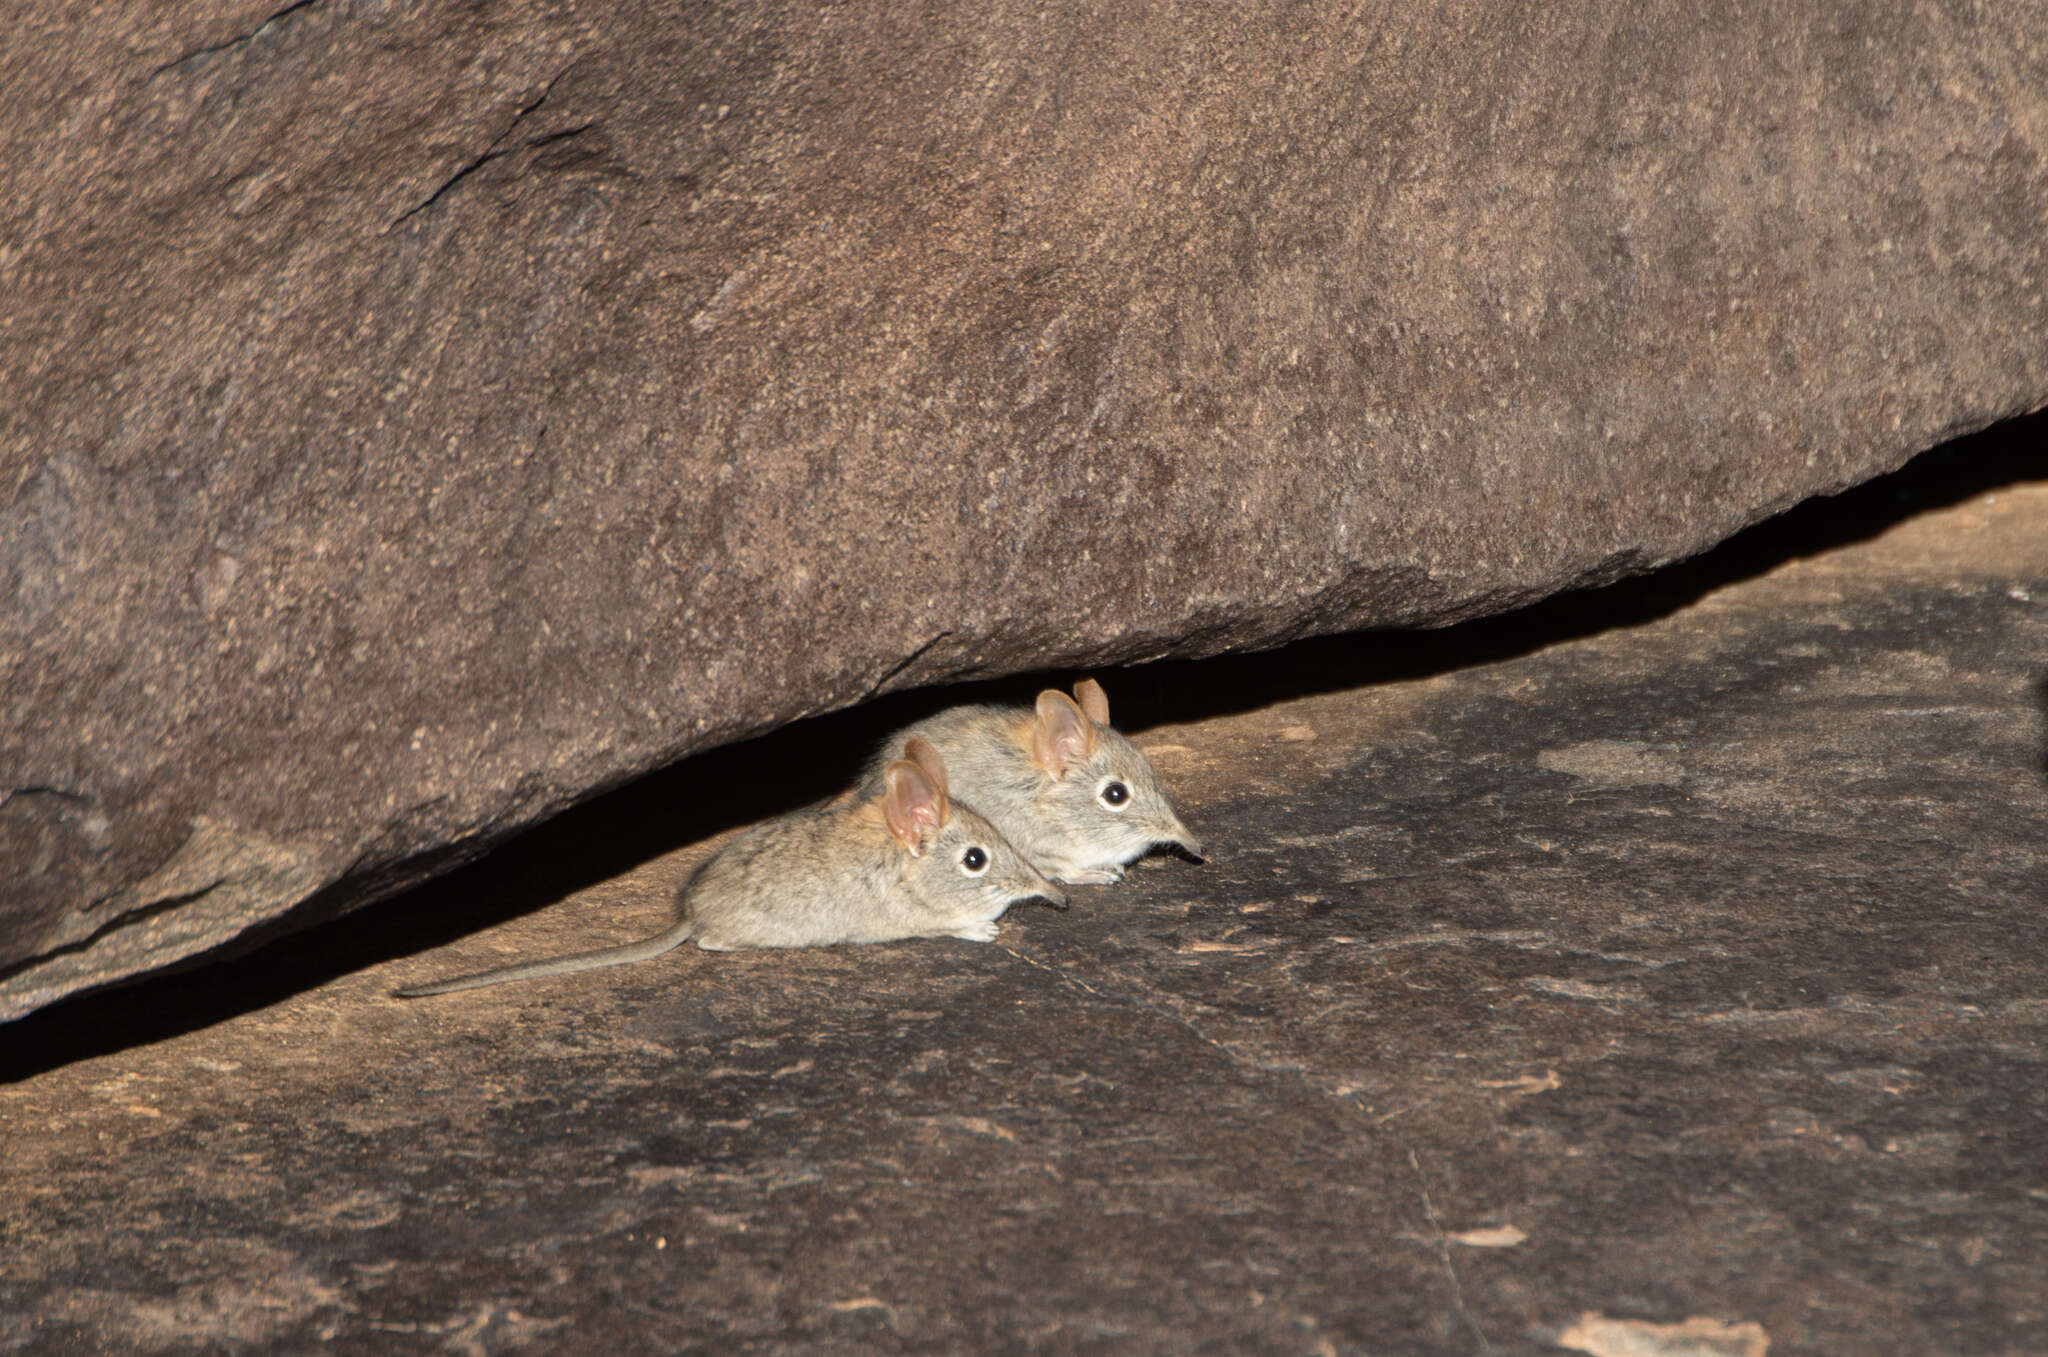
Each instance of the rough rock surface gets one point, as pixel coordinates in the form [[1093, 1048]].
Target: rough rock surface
[[1580, 986], [414, 418]]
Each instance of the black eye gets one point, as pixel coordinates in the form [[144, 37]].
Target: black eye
[[974, 861], [1114, 794]]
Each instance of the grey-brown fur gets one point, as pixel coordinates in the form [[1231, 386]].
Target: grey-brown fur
[[1045, 800], [881, 868]]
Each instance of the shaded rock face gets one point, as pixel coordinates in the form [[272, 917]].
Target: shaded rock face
[[417, 417]]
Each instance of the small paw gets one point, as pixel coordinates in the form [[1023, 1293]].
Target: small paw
[[982, 930], [1092, 876]]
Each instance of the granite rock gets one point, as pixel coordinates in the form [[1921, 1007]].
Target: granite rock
[[418, 418], [1656, 971]]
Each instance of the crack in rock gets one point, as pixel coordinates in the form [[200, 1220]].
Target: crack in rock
[[240, 40], [494, 151]]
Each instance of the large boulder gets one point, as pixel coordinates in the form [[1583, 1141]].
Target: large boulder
[[415, 418]]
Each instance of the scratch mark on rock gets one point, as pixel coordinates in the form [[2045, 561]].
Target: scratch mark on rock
[[1443, 1252], [240, 40], [903, 664], [61, 793], [496, 150]]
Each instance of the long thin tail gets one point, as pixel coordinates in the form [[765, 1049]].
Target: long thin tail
[[661, 942]]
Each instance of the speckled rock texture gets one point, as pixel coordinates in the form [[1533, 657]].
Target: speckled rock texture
[[415, 418], [1620, 977]]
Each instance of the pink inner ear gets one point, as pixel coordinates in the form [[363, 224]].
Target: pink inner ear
[[913, 807], [1063, 735], [1094, 702]]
